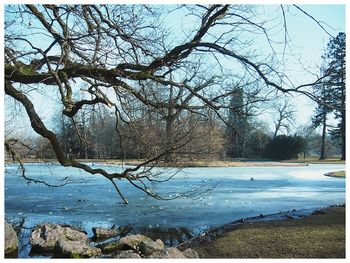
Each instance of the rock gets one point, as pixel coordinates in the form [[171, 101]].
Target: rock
[[104, 233], [132, 241], [75, 249], [158, 254], [127, 254], [190, 253], [44, 237], [170, 252], [112, 247], [125, 229], [148, 246], [11, 240], [173, 252]]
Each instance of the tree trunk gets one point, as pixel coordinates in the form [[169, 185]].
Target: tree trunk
[[169, 130], [343, 132], [343, 146], [277, 127], [323, 140]]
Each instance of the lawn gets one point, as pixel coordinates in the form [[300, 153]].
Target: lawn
[[340, 174], [321, 235]]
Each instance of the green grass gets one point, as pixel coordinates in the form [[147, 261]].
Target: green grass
[[340, 174], [316, 236]]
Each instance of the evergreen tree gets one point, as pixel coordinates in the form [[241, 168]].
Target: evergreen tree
[[321, 112], [335, 58], [285, 147], [237, 123]]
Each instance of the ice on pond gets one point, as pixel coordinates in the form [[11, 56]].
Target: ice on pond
[[234, 196]]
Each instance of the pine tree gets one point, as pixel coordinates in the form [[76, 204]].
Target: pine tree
[[321, 112], [237, 121], [335, 58]]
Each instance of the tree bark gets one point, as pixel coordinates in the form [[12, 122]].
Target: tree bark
[[343, 131], [323, 139], [169, 131]]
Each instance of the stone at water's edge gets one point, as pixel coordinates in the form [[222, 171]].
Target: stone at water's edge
[[104, 233], [127, 254], [75, 249], [173, 252], [190, 253], [170, 252], [66, 242], [11, 240], [109, 248], [133, 241], [158, 254], [140, 246], [62, 241], [148, 246], [44, 237]]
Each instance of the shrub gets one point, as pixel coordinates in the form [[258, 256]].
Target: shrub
[[285, 147]]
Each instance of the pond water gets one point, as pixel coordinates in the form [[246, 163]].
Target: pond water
[[92, 201]]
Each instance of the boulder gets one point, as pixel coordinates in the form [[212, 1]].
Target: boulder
[[148, 246], [44, 237], [125, 229], [105, 233], [111, 247], [170, 252], [173, 252], [127, 254], [132, 241], [190, 253], [11, 240], [75, 249], [158, 254]]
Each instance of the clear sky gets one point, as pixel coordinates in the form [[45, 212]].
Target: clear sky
[[308, 42]]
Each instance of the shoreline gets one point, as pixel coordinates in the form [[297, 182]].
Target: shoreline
[[214, 232], [337, 174], [211, 234], [199, 163]]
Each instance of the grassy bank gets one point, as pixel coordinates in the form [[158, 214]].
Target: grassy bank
[[236, 162], [187, 163], [338, 174], [321, 235], [316, 160]]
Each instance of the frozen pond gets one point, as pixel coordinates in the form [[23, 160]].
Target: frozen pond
[[95, 203]]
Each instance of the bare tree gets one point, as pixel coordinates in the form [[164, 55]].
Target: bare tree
[[285, 117], [87, 55]]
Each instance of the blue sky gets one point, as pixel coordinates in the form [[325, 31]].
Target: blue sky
[[308, 43]]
